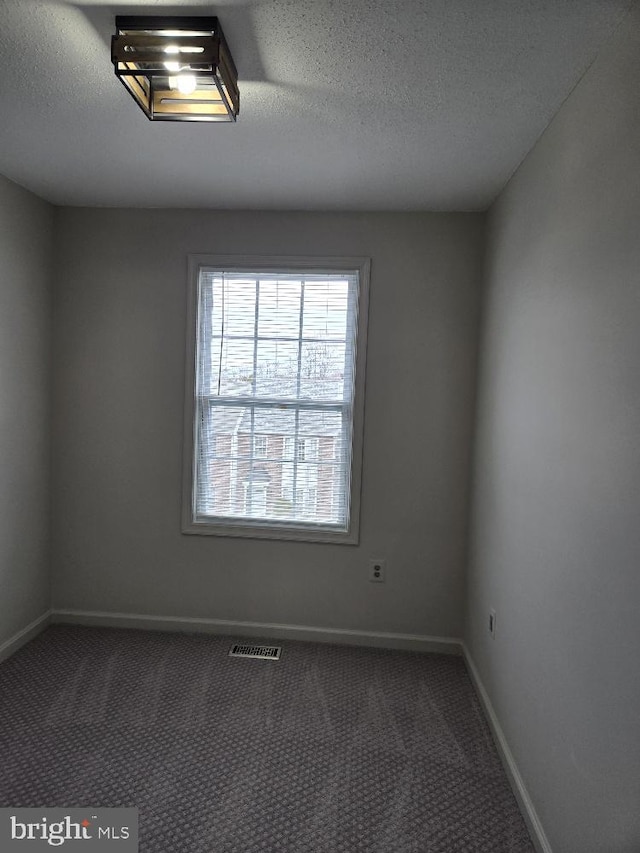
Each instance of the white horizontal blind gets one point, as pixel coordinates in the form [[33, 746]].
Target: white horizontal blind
[[274, 398]]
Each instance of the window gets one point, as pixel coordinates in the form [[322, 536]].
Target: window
[[307, 449], [260, 446], [276, 357]]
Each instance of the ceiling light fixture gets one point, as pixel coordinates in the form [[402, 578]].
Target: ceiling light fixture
[[176, 69]]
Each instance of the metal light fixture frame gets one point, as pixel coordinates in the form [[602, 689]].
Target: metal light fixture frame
[[153, 54]]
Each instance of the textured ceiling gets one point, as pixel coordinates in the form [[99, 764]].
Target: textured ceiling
[[352, 105]]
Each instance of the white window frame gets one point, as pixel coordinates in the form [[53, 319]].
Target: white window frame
[[289, 530]]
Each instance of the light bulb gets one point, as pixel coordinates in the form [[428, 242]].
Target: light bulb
[[172, 66], [187, 84]]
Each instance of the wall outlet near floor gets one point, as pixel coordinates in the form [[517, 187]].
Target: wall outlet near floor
[[492, 623], [376, 570]]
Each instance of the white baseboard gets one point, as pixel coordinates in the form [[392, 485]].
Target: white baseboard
[[540, 840], [344, 636], [28, 633]]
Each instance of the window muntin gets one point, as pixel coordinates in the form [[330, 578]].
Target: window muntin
[[275, 371]]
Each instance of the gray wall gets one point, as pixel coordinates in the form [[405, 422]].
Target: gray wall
[[119, 331], [556, 530], [26, 225]]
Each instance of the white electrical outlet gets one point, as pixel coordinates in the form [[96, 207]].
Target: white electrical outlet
[[376, 570], [492, 623]]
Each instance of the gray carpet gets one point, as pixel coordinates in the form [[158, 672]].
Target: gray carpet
[[329, 750]]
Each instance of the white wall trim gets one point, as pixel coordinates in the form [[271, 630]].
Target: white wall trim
[[379, 639], [192, 523], [21, 637], [534, 825]]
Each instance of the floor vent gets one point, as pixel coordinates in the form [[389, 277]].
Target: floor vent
[[260, 652]]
